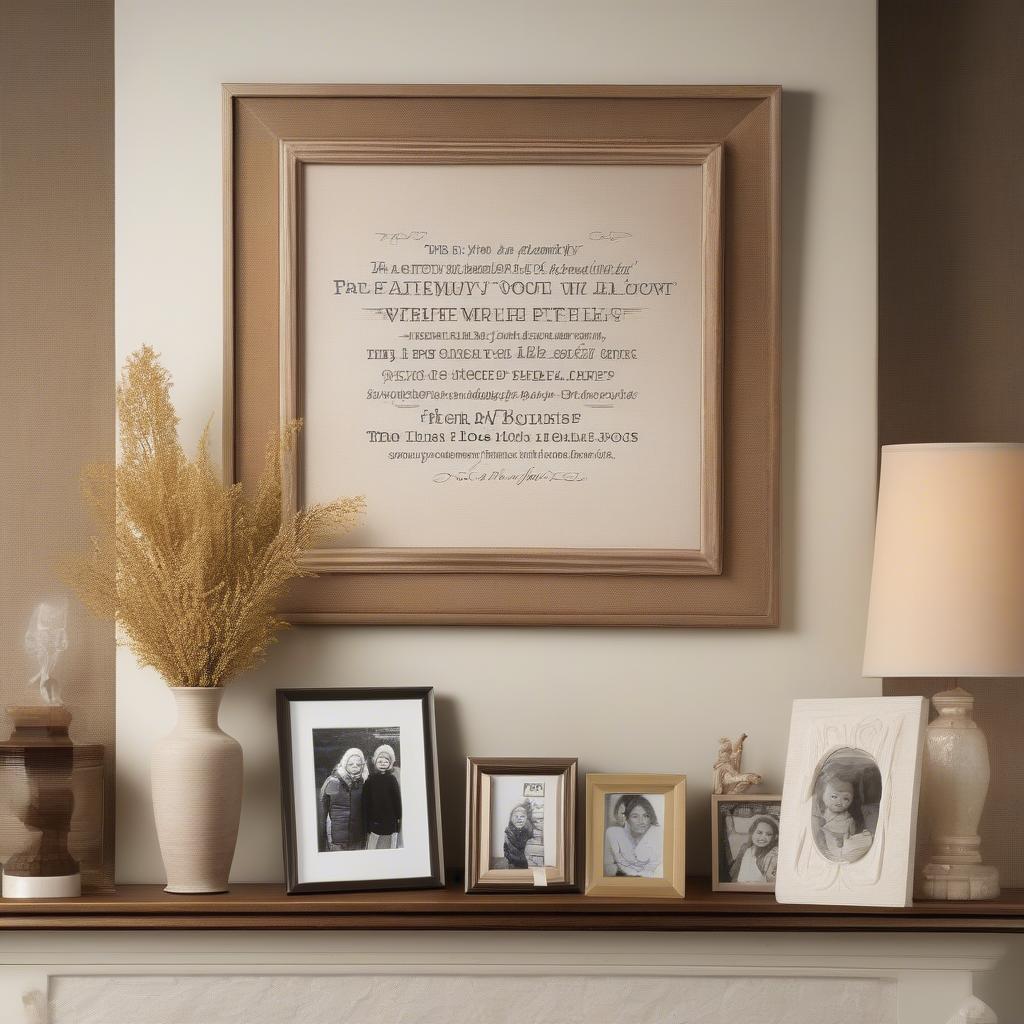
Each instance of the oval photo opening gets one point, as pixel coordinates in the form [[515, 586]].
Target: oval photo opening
[[844, 811]]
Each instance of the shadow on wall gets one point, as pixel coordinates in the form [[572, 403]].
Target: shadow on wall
[[452, 778], [797, 122]]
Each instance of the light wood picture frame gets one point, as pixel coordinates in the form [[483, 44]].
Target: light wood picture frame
[[621, 862], [733, 848], [536, 800], [727, 572], [850, 801]]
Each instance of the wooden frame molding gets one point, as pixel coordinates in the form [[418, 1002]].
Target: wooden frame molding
[[559, 878], [732, 578], [707, 558]]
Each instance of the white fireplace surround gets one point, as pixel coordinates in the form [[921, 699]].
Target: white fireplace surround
[[488, 978]]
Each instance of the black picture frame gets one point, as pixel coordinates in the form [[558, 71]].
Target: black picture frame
[[286, 698]]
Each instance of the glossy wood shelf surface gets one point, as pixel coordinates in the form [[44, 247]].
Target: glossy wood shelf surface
[[264, 906]]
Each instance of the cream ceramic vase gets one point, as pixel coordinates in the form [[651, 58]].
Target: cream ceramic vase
[[197, 794]]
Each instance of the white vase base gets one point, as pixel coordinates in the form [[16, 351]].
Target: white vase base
[[958, 882], [194, 890], [42, 887], [197, 795]]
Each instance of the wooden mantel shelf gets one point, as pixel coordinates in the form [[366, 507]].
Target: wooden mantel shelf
[[267, 906]]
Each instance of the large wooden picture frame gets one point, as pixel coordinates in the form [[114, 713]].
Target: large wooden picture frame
[[725, 571]]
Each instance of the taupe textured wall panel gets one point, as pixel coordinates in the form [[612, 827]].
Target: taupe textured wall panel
[[951, 303], [56, 331]]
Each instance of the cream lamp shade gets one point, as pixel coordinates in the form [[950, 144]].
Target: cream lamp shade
[[947, 584]]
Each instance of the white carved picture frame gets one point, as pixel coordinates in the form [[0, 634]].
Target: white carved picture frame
[[829, 809]]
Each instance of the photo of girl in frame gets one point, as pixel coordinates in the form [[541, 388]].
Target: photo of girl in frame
[[745, 848]]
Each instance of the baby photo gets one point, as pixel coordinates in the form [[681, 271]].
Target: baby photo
[[746, 842], [518, 806], [847, 794], [634, 842], [359, 791]]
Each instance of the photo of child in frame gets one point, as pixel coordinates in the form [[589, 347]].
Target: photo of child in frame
[[518, 809], [519, 832], [847, 795], [359, 791], [747, 834]]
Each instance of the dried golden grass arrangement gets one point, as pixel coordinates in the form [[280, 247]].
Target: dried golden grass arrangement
[[191, 569]]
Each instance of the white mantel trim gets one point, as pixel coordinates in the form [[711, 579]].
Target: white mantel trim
[[933, 974]]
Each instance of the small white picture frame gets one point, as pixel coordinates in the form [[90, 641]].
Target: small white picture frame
[[850, 802]]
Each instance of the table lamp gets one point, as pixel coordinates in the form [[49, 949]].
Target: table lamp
[[947, 600]]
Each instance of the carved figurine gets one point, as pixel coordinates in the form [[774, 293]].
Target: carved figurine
[[46, 639], [727, 777]]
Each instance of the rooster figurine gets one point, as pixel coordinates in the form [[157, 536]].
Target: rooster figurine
[[727, 777]]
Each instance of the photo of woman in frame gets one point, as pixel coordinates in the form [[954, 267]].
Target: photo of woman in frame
[[634, 848]]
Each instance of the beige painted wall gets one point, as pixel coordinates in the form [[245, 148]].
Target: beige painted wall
[[637, 700], [56, 332]]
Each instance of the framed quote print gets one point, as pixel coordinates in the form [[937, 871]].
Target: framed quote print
[[536, 327]]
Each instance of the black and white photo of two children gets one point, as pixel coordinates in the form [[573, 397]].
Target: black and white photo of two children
[[359, 788]]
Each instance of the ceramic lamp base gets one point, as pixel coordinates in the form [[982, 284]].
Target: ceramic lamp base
[[958, 882], [42, 887]]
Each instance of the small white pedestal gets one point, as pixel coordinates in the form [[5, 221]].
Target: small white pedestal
[[41, 887]]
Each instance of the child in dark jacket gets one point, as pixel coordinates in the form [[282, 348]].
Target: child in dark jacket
[[341, 799], [382, 802], [518, 833]]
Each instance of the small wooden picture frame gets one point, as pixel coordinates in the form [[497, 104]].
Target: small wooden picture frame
[[521, 824], [738, 856], [636, 836]]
